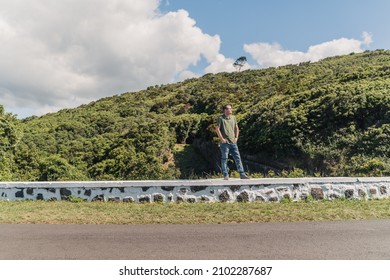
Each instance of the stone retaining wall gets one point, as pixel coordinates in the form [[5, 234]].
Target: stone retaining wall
[[215, 190]]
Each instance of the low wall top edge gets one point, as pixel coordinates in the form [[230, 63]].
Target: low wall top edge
[[195, 183]]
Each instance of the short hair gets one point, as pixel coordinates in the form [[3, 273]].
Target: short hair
[[225, 106]]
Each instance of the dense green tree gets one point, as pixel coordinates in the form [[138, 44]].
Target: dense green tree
[[240, 62]]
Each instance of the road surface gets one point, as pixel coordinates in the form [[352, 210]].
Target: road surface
[[342, 240]]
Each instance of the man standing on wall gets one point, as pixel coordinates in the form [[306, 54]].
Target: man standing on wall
[[227, 130]]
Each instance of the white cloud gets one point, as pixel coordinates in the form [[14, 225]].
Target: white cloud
[[186, 74], [271, 55], [220, 63], [367, 38], [60, 54]]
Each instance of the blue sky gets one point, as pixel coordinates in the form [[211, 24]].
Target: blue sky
[[294, 24], [64, 53]]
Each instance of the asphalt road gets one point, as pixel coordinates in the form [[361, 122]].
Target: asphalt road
[[344, 240]]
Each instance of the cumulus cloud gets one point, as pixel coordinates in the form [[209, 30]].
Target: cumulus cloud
[[271, 55], [60, 54], [186, 74], [220, 64], [367, 38]]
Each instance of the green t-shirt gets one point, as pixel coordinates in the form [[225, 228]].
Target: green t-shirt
[[226, 126]]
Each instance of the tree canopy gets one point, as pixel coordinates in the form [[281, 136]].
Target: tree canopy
[[239, 63]]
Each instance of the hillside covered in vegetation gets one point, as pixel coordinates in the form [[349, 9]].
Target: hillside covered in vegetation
[[329, 118]]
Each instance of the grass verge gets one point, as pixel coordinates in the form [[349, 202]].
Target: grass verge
[[65, 212]]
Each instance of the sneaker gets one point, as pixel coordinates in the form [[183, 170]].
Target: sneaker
[[244, 176], [226, 177]]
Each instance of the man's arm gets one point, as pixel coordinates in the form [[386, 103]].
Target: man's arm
[[223, 140], [236, 133]]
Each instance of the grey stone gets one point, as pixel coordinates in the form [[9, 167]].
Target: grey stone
[[19, 194], [65, 192], [362, 193], [259, 198], [191, 199], [317, 193], [144, 199], [243, 197], [349, 194], [158, 198], [128, 199], [198, 189], [224, 196], [334, 196], [98, 198], [235, 188], [296, 187], [269, 192]]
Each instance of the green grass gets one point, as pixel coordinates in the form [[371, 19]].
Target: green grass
[[65, 212]]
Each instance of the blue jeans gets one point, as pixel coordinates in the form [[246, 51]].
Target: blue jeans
[[233, 149]]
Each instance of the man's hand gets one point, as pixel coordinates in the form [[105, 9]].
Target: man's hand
[[235, 140]]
